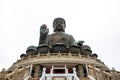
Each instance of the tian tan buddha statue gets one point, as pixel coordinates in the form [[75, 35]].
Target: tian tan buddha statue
[[58, 37], [58, 41]]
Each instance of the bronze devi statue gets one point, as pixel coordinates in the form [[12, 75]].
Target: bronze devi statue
[[58, 37]]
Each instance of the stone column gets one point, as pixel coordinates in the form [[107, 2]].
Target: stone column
[[102, 76], [114, 74], [80, 70], [87, 70], [2, 74], [23, 72], [16, 76], [94, 71], [38, 70], [26, 71]]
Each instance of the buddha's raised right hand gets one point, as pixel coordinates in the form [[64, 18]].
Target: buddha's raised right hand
[[44, 30]]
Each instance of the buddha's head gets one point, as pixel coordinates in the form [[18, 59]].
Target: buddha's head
[[59, 24]]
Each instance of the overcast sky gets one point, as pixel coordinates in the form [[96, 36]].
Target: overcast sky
[[97, 22]]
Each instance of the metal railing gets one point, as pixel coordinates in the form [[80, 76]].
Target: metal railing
[[68, 76]]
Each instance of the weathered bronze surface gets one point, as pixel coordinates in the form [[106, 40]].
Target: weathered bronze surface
[[59, 35]]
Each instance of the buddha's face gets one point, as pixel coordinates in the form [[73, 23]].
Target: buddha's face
[[59, 25]]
